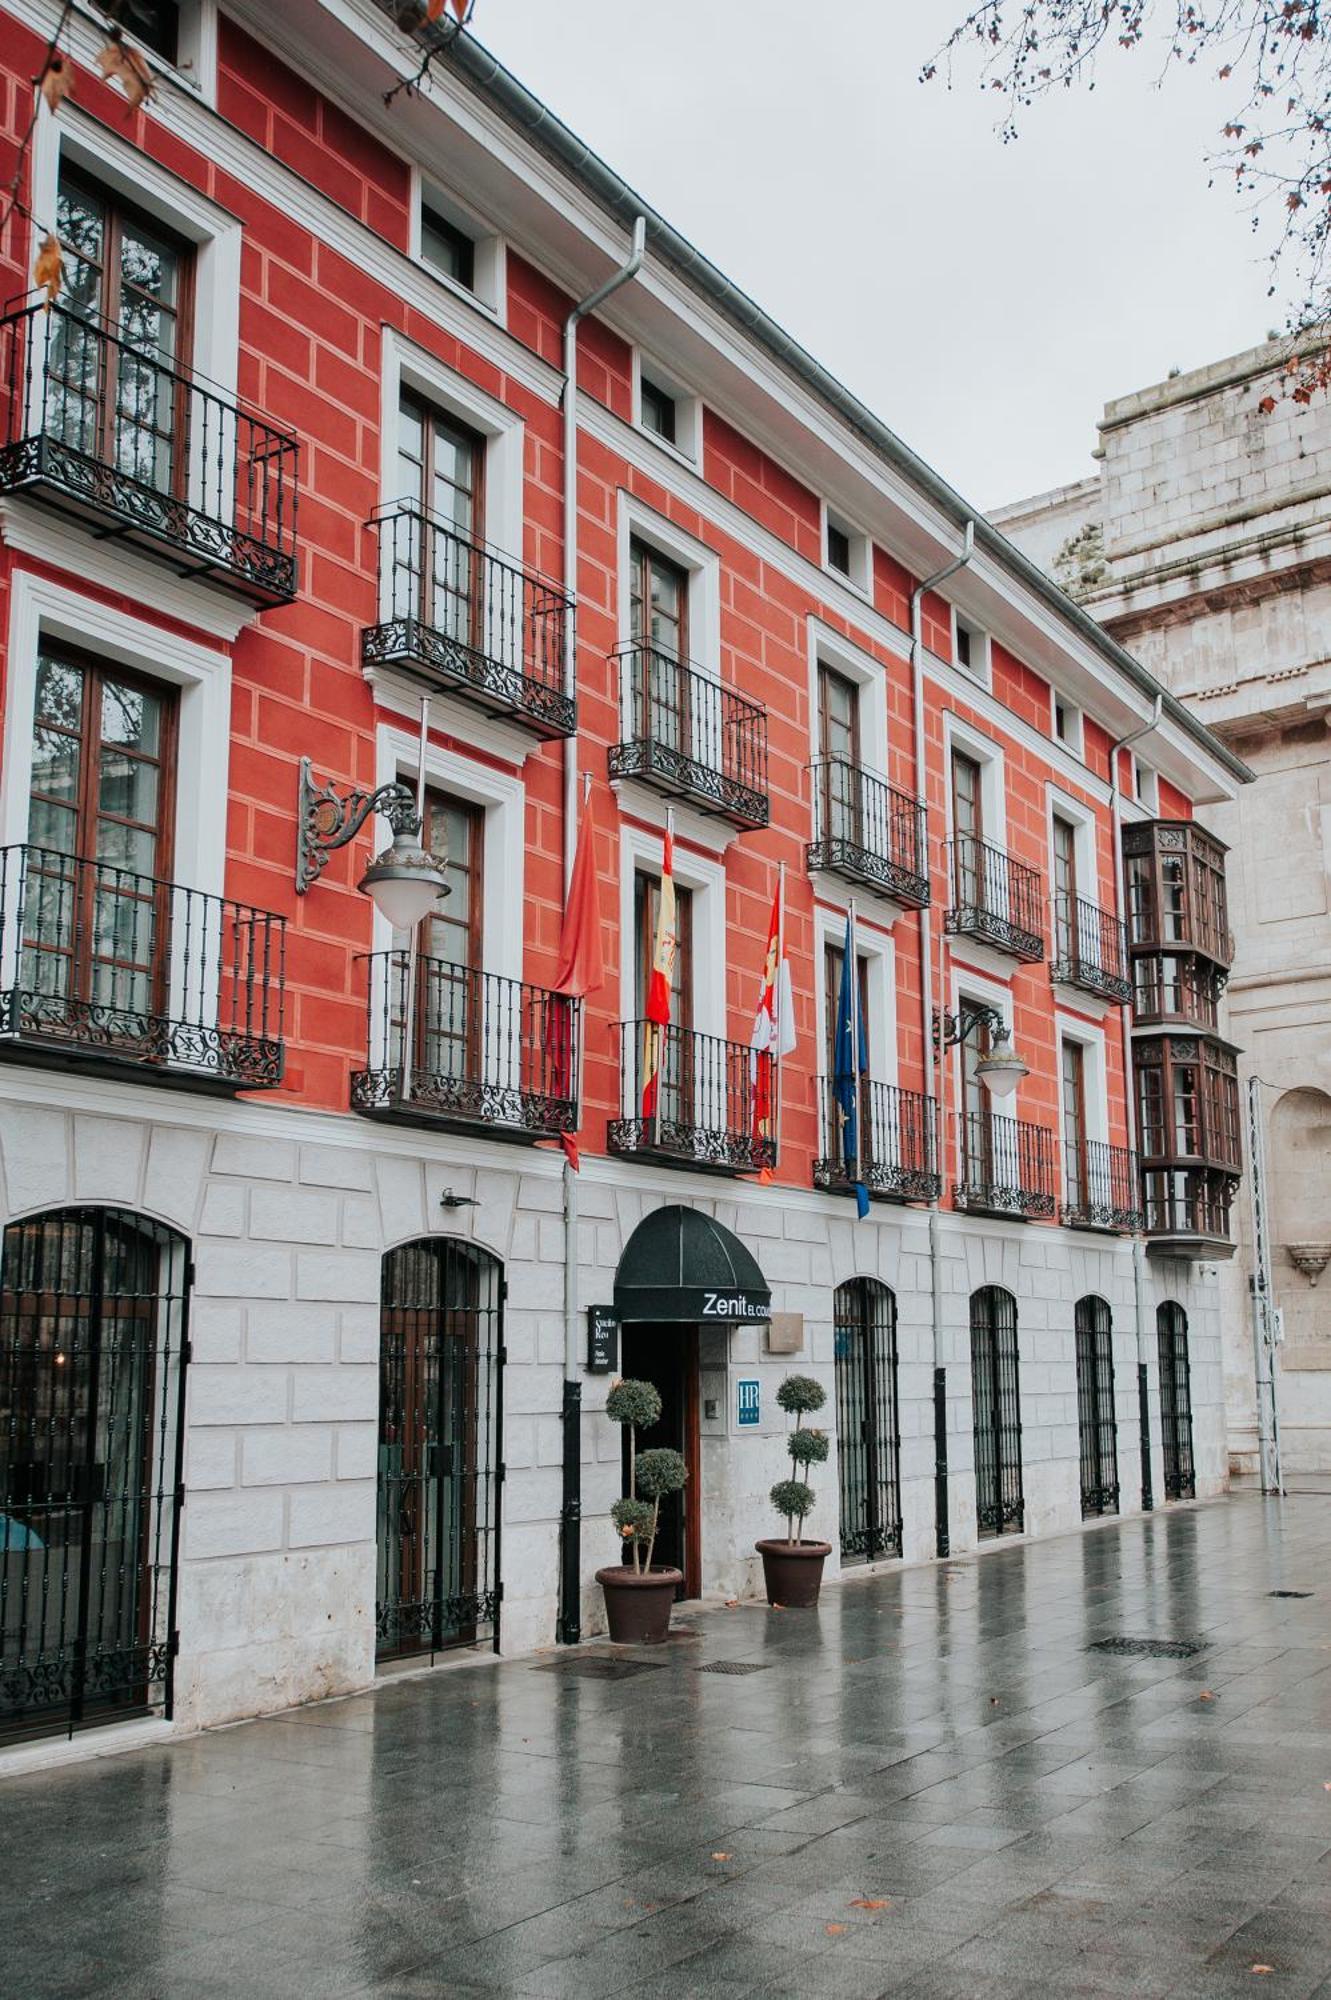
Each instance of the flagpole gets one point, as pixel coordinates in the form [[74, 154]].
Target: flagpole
[[404, 1077], [578, 1020], [853, 988], [778, 995], [658, 1031]]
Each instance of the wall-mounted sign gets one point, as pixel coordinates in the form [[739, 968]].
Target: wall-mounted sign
[[785, 1333], [748, 1402], [602, 1340]]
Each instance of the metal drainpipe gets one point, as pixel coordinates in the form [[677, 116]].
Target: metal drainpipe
[[569, 1627], [921, 590], [1130, 1100]]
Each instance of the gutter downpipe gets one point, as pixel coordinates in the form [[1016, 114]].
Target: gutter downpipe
[[1130, 1101], [932, 1068], [569, 1627]]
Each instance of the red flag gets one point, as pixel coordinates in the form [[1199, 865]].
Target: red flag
[[663, 972], [581, 967]]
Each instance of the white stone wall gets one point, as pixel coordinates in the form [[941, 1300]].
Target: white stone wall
[[289, 1214]]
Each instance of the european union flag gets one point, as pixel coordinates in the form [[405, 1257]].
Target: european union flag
[[849, 1064]]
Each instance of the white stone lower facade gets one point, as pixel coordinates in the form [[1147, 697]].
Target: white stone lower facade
[[289, 1215]]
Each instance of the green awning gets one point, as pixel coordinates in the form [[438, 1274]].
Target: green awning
[[682, 1265]]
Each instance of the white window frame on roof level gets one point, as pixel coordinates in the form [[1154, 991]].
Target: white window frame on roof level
[[687, 444], [490, 253], [859, 576], [980, 669]]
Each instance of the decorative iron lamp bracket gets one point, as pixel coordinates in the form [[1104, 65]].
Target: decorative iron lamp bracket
[[327, 820], [949, 1029]]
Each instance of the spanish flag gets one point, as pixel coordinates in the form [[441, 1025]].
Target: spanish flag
[[662, 978]]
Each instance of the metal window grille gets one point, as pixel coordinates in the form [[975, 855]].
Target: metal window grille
[[868, 1427], [1095, 1407], [995, 898], [999, 1505], [684, 733], [440, 1430], [92, 1385], [868, 831], [1175, 1401]]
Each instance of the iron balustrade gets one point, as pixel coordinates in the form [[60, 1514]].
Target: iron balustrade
[[103, 967], [1097, 1426], [1006, 1166], [458, 616], [683, 733], [1171, 1324], [111, 430], [1000, 1503], [898, 1143], [1090, 950], [864, 1340], [868, 831], [707, 1107], [994, 898], [1190, 1207], [453, 1045], [1101, 1187]]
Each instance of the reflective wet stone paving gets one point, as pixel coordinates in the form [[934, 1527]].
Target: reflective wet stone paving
[[939, 1785]]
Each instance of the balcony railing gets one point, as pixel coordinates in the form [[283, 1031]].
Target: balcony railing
[[687, 735], [113, 432], [1005, 1166], [102, 968], [1101, 1187], [994, 898], [1187, 1211], [898, 1148], [706, 1109], [868, 831], [1090, 950], [452, 1046], [456, 616]]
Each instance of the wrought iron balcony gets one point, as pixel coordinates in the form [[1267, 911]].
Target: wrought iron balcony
[[1101, 1187], [1005, 1166], [456, 616], [705, 1112], [868, 831], [1090, 950], [104, 969], [150, 453], [995, 899], [685, 734], [465, 1050], [898, 1144]]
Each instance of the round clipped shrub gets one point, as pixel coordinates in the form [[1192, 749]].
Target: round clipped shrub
[[636, 1403], [660, 1471], [634, 1519], [792, 1498], [809, 1447], [799, 1394]]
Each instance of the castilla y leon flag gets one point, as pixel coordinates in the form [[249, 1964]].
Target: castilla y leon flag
[[773, 1027], [581, 967], [661, 981]]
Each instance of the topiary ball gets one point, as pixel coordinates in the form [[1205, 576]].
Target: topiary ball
[[799, 1394], [636, 1403], [809, 1447], [633, 1518], [658, 1472], [792, 1496]]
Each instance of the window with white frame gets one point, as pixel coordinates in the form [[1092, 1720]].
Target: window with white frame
[[180, 35], [846, 552], [1067, 724], [970, 648], [1145, 786], [665, 409], [1083, 1117], [452, 244]]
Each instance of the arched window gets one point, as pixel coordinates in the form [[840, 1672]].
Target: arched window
[[92, 1378], [996, 1400], [1171, 1323], [868, 1433], [1095, 1407], [440, 1425]]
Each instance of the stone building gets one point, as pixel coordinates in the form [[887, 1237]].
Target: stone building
[[1203, 543], [296, 1382]]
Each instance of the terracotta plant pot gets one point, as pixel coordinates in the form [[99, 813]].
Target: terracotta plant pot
[[638, 1607], [793, 1572]]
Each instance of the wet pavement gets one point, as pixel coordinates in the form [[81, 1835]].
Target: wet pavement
[[936, 1786]]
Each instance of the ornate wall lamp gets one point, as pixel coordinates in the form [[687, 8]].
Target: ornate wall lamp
[[1001, 1070], [404, 882]]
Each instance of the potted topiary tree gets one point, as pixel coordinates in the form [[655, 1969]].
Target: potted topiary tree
[[637, 1597], [793, 1569]]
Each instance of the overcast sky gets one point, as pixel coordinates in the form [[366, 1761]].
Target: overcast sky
[[985, 300]]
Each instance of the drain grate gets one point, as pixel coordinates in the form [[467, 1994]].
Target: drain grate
[[1289, 1593], [596, 1667], [733, 1667], [1149, 1649]]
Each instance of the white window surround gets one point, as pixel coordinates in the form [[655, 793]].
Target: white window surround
[[1085, 843], [640, 851], [876, 947], [859, 577], [1145, 787], [1070, 1028], [958, 735], [687, 444], [829, 648], [42, 610], [127, 170], [980, 670], [504, 844], [405, 366], [638, 522], [1072, 740], [981, 988], [490, 253]]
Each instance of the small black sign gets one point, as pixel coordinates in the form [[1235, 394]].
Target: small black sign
[[602, 1340]]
